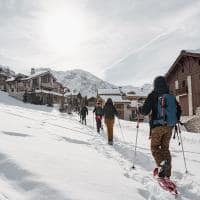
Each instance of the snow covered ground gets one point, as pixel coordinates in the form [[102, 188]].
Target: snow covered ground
[[47, 155]]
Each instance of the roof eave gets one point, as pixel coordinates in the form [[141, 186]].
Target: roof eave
[[183, 53]]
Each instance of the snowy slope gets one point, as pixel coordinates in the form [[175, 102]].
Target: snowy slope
[[48, 155]]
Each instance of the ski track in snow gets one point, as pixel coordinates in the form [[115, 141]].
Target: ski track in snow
[[121, 153]]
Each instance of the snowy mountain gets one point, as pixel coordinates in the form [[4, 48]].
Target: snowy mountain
[[80, 81], [47, 155], [86, 83], [140, 91]]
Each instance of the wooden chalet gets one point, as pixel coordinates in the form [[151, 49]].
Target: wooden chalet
[[3, 78], [183, 78], [38, 88]]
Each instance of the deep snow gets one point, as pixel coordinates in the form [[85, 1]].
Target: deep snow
[[45, 154]]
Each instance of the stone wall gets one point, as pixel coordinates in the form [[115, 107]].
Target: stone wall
[[198, 111], [193, 124]]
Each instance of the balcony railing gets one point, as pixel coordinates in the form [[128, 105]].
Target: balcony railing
[[180, 91], [46, 85]]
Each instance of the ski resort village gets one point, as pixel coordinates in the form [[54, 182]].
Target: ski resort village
[[99, 100], [47, 153]]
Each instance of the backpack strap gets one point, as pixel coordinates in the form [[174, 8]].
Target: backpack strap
[[163, 105]]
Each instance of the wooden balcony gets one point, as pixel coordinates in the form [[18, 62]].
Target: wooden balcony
[[47, 85], [180, 91]]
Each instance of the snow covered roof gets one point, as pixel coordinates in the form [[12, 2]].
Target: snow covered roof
[[197, 51], [115, 98], [138, 94], [71, 93], [39, 73], [141, 91], [10, 79], [114, 91], [48, 92]]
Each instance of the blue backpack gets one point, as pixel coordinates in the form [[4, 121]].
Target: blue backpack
[[166, 110]]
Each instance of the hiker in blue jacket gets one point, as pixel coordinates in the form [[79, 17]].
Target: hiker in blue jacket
[[161, 130]]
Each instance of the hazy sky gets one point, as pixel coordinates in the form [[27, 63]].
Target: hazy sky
[[122, 41]]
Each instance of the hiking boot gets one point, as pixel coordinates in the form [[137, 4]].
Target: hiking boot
[[155, 172], [162, 170]]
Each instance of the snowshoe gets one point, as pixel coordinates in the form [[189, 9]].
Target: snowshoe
[[165, 183]]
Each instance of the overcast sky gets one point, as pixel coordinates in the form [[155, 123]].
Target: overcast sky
[[122, 41]]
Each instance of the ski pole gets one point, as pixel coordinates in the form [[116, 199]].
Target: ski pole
[[179, 130], [137, 126], [121, 130], [179, 143], [93, 121], [176, 133]]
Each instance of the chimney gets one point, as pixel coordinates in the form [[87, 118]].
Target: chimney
[[120, 89], [32, 71]]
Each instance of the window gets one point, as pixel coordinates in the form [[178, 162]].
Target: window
[[182, 70], [183, 84], [119, 106], [35, 83], [46, 79]]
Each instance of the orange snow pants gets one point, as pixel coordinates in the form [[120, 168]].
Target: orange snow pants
[[109, 124]]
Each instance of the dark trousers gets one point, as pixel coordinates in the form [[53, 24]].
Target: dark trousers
[[83, 119], [98, 121]]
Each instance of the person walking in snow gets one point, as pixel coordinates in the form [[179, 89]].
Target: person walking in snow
[[98, 110], [109, 112], [158, 102], [83, 113], [160, 132]]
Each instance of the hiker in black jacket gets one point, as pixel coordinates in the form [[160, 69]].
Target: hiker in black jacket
[[83, 113], [160, 133], [110, 112]]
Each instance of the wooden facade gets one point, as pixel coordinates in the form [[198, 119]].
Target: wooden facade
[[3, 78], [73, 101], [38, 88], [91, 101], [183, 78]]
